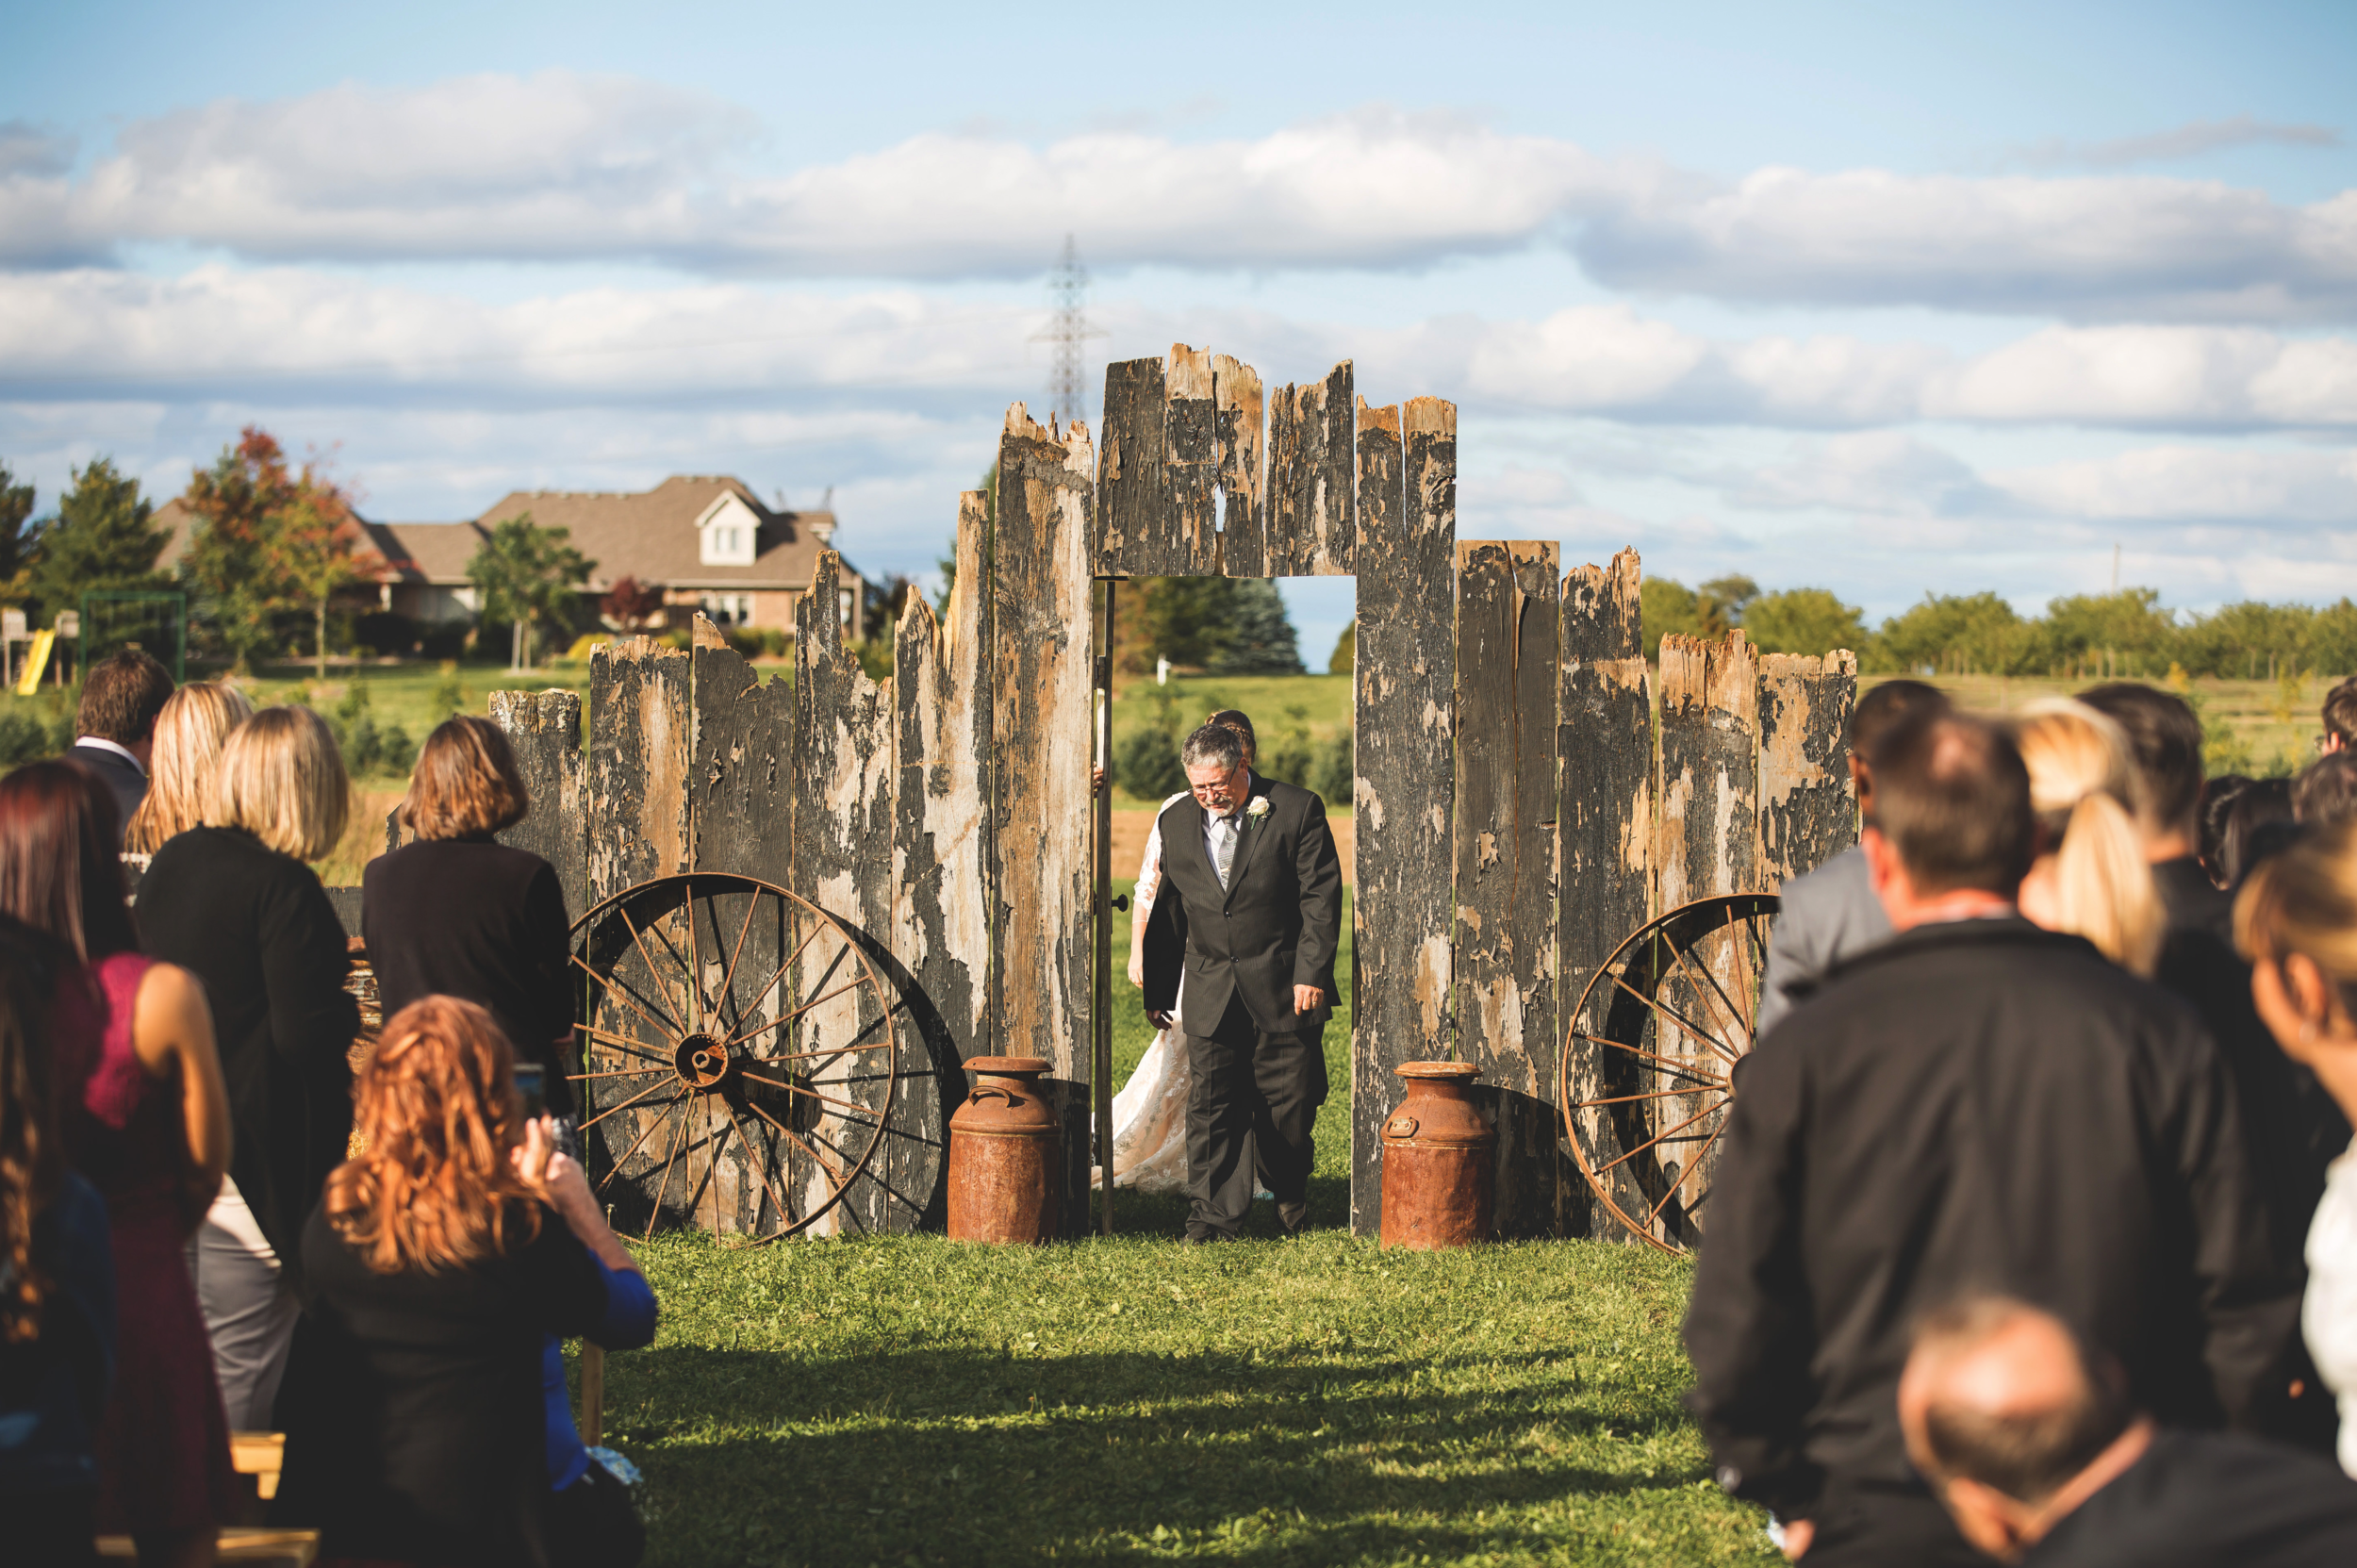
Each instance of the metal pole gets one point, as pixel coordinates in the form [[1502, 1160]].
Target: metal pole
[[1101, 1014]]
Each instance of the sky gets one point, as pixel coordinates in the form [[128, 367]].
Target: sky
[[1882, 299]]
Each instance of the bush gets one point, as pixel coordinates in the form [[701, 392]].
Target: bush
[[450, 640], [1334, 772], [386, 634], [23, 738], [586, 644], [1146, 764], [366, 747]]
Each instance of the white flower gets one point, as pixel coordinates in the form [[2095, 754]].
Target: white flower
[[1258, 806]]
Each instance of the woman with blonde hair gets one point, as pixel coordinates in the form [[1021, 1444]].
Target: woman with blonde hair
[[2296, 920], [190, 732], [234, 902], [456, 913], [2090, 877], [442, 1261]]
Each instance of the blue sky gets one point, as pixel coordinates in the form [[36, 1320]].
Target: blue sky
[[1881, 299]]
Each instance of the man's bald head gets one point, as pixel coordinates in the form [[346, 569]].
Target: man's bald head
[[1951, 797], [2004, 1407]]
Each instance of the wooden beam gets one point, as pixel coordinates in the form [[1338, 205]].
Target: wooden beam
[[1189, 527], [1405, 689], [1312, 529], [544, 731], [1130, 507], [1244, 524], [1807, 801]]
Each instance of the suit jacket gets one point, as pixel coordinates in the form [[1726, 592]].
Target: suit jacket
[[1274, 927], [1974, 1105], [1829, 916], [122, 775]]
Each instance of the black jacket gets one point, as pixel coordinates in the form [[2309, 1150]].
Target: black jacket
[[1974, 1106], [473, 918], [122, 777], [257, 928], [2197, 1499], [1276, 925]]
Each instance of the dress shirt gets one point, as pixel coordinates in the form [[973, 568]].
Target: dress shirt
[[106, 745]]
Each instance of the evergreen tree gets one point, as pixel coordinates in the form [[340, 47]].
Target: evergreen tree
[[102, 539], [1344, 659], [1258, 633], [527, 573], [16, 540]]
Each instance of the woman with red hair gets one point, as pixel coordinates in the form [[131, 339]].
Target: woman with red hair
[[146, 1121], [440, 1261]]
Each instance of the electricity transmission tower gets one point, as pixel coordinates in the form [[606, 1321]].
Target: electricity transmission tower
[[1067, 328]]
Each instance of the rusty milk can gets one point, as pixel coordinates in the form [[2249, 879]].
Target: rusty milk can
[[1006, 1154], [1437, 1161]]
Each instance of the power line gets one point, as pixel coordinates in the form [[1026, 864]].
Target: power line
[[1067, 328]]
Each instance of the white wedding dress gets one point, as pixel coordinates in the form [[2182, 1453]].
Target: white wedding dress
[[1150, 1112]]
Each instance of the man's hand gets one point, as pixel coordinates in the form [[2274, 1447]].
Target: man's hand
[[1160, 1020], [1799, 1535], [1308, 999]]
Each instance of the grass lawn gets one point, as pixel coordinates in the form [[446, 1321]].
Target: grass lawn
[[911, 1400]]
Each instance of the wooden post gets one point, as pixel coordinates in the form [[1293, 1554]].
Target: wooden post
[[1406, 688], [1244, 526], [1190, 529], [1312, 529], [1509, 606], [1040, 583], [1132, 519], [1101, 905], [1808, 802], [544, 731], [1604, 750]]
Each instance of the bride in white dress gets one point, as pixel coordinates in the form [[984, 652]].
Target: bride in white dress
[[1150, 1112]]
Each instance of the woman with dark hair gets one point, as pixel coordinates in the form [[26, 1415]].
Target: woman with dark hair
[[441, 1258], [458, 914], [146, 1119], [235, 903], [56, 1283]]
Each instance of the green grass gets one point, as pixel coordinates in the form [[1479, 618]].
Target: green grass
[[1320, 705]]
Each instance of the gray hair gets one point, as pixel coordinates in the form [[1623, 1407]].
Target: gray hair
[[1212, 746]]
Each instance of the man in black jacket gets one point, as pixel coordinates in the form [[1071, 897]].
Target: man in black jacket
[[1240, 949], [1977, 1104], [116, 724]]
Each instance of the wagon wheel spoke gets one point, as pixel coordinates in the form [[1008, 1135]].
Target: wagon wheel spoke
[[1734, 1016], [629, 1045], [824, 1099], [1669, 1063], [627, 993], [695, 958], [1699, 1155], [654, 1212], [619, 1072], [625, 1105], [624, 1160], [728, 982], [1688, 1025], [815, 1001], [1660, 1136], [652, 972], [762, 995], [754, 1158], [1623, 1100], [839, 1179], [824, 1053]]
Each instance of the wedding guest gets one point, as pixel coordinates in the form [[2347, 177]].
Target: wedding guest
[[2219, 794], [234, 902], [2340, 717], [1831, 913], [457, 914], [2296, 918], [2090, 877], [57, 1282], [145, 1118], [440, 1260], [2029, 1439], [186, 747], [1975, 1104], [116, 722], [2260, 823], [2326, 790]]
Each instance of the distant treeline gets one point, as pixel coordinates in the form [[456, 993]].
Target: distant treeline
[[2126, 634]]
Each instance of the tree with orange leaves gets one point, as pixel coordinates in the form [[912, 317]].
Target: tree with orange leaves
[[268, 541]]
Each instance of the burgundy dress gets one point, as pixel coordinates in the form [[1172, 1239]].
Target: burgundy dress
[[163, 1444]]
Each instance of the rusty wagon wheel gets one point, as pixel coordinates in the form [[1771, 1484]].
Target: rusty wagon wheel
[[737, 1068], [1649, 1058]]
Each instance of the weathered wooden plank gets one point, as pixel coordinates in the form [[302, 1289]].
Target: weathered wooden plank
[[1040, 677], [544, 730], [1508, 611], [1130, 514], [1808, 803], [1244, 521], [1405, 689], [1604, 750], [1190, 466], [941, 841], [1311, 526]]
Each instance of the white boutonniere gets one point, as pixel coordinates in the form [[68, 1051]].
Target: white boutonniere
[[1258, 809]]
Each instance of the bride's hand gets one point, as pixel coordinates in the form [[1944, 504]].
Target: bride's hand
[[1137, 967]]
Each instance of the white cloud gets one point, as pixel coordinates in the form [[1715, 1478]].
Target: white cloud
[[557, 167], [2191, 139], [2184, 484]]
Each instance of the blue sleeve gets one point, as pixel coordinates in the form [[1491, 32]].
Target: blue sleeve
[[630, 1314], [567, 1460]]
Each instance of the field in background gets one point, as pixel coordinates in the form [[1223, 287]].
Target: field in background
[[2257, 727]]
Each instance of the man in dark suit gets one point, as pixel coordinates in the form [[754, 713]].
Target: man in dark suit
[[1241, 950], [116, 724], [2029, 1438]]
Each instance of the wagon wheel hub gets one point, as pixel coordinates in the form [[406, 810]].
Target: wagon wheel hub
[[703, 1062]]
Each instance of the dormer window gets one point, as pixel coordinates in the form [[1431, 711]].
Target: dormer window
[[727, 532]]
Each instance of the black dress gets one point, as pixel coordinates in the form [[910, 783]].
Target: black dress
[[257, 928], [419, 1435], [472, 918]]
